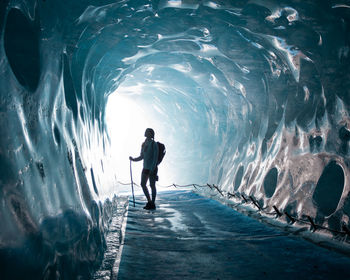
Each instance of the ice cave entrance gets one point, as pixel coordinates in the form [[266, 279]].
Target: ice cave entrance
[[169, 100], [128, 113]]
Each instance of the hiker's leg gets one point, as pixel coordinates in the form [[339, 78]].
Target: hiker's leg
[[154, 190], [152, 180], [144, 178]]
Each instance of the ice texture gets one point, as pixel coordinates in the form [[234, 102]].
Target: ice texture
[[254, 96]]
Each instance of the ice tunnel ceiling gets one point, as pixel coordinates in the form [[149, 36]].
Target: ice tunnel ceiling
[[252, 96]]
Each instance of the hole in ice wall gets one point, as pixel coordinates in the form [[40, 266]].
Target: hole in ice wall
[[21, 42], [82, 113], [69, 92], [270, 182], [296, 136], [315, 142], [263, 148], [70, 158], [57, 135], [40, 167], [344, 135], [239, 176], [93, 181], [329, 188]]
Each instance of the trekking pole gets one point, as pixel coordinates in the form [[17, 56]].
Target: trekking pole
[[132, 184]]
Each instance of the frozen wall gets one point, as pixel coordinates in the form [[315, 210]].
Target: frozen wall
[[251, 95]]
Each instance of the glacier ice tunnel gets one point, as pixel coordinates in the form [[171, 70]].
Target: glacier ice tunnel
[[251, 96]]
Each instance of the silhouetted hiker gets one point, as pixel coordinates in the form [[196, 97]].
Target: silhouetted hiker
[[149, 154]]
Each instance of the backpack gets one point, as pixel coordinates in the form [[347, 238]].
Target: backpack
[[161, 152]]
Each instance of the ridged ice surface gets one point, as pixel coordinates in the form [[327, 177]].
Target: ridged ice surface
[[252, 96]]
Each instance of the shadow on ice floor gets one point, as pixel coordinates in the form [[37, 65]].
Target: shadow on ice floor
[[192, 237]]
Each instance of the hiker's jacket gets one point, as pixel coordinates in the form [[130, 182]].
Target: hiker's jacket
[[149, 154]]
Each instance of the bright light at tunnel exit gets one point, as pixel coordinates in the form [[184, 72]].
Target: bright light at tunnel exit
[[126, 123]]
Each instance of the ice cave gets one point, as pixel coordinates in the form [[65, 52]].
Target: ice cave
[[250, 97]]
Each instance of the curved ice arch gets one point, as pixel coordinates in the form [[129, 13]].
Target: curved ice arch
[[265, 92]]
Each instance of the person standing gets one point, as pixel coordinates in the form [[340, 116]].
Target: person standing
[[149, 155]]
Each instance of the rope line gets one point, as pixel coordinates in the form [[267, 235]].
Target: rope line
[[250, 199]]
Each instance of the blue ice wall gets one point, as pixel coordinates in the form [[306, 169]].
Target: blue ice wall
[[52, 148], [259, 92]]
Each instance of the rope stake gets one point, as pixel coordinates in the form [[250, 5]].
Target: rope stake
[[230, 195], [313, 226], [279, 214], [255, 202], [244, 198], [217, 188], [290, 217]]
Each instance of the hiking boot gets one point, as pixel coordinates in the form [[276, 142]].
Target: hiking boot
[[150, 206], [147, 206]]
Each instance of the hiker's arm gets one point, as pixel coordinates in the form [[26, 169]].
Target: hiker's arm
[[136, 159], [140, 157]]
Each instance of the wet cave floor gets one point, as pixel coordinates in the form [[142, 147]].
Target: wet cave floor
[[190, 236]]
